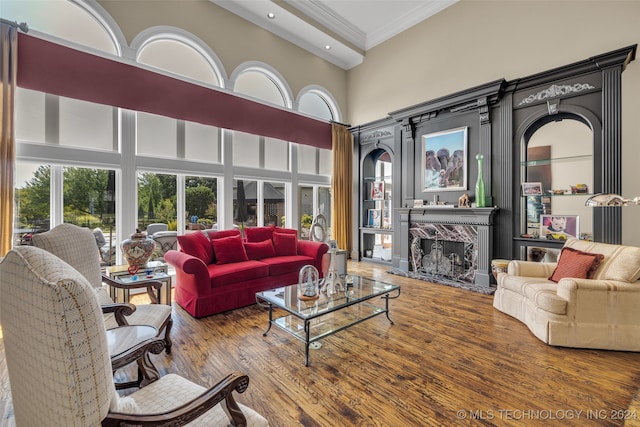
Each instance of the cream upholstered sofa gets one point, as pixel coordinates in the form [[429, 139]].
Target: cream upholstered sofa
[[602, 312]]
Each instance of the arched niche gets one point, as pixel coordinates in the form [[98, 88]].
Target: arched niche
[[377, 190], [588, 92], [557, 175], [377, 172]]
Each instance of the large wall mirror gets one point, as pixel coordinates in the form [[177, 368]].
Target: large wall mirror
[[558, 178]]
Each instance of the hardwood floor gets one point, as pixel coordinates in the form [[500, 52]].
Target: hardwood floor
[[449, 359]]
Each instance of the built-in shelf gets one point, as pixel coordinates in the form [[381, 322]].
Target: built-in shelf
[[542, 162]]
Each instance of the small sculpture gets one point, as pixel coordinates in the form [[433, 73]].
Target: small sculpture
[[463, 201], [332, 284], [308, 283]]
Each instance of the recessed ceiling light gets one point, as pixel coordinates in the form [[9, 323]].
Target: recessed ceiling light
[[271, 15], [327, 47]]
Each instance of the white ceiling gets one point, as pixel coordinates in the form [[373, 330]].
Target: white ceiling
[[349, 27]]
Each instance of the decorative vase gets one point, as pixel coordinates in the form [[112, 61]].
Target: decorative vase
[[480, 200], [137, 249]]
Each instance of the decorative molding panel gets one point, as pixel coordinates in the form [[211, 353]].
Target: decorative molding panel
[[556, 90]]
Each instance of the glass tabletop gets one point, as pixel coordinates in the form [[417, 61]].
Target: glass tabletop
[[141, 278], [362, 289]]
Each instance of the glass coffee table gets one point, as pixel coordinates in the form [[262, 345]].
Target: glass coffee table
[[310, 321]]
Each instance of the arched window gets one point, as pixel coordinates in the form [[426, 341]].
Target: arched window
[[86, 24], [81, 124], [178, 52], [260, 82], [316, 105], [56, 191], [317, 102], [181, 53], [263, 84]]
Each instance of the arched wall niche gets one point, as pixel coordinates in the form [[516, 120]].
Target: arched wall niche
[[589, 92], [559, 152]]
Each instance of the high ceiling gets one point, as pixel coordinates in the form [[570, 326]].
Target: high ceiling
[[340, 31]]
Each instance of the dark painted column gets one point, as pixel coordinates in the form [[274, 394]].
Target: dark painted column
[[608, 221]]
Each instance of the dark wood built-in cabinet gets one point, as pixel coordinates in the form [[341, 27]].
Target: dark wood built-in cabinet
[[506, 122], [377, 188]]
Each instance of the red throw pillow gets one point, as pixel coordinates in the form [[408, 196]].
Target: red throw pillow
[[215, 234], [258, 234], [285, 230], [229, 249], [196, 244], [575, 263], [285, 244], [260, 250]]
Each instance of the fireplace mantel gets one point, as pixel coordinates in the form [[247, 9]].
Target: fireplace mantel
[[480, 219]]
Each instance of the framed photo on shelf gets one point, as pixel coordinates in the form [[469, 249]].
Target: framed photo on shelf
[[559, 227], [377, 190], [444, 160], [386, 218], [374, 218], [532, 189]]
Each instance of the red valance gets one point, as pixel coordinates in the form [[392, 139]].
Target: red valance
[[52, 68]]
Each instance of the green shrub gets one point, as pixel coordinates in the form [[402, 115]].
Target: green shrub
[[306, 220]]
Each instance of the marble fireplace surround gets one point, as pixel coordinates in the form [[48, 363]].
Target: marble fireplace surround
[[472, 227]]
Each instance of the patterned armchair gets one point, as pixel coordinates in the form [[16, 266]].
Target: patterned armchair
[[76, 246], [156, 227], [58, 362], [165, 241]]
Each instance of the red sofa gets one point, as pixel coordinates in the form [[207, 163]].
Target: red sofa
[[218, 271]]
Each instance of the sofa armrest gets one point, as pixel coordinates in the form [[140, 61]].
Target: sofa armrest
[[191, 272], [314, 250], [531, 269], [185, 262]]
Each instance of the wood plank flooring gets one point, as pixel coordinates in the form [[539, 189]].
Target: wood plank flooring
[[449, 359]]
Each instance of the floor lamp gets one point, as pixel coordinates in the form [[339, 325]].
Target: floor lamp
[[606, 199]]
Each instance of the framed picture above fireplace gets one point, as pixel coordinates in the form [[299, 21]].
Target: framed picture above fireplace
[[444, 160]]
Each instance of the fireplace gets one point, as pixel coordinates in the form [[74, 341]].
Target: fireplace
[[443, 252], [448, 245]]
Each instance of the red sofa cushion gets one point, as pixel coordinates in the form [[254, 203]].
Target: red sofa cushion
[[259, 250], [229, 274], [196, 244], [213, 234], [285, 244], [258, 234], [229, 250], [285, 230], [575, 263], [286, 264]]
